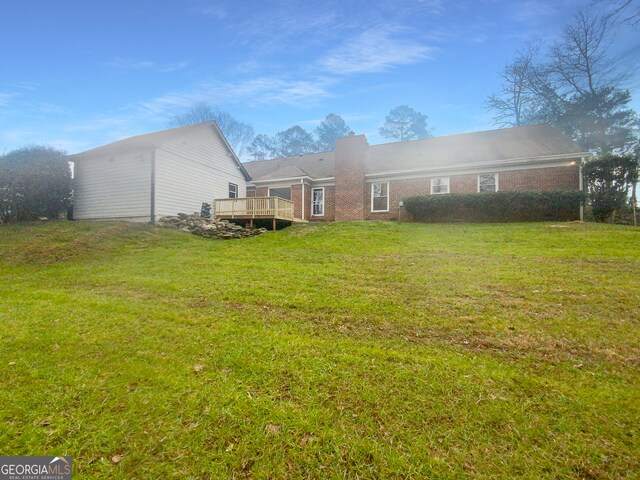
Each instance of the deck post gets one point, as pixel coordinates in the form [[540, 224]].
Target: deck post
[[274, 224]]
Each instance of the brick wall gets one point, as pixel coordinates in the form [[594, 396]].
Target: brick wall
[[350, 199], [398, 190], [329, 205], [532, 180], [296, 198], [541, 179], [350, 188], [262, 191], [536, 179]]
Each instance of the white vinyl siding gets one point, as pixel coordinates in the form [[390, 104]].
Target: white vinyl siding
[[439, 185], [113, 187], [380, 197], [193, 169], [488, 182], [317, 202]]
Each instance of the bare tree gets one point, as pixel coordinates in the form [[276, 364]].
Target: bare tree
[[579, 61], [624, 11], [516, 104], [587, 81], [578, 89], [239, 134]]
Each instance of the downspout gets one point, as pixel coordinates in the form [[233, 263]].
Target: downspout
[[153, 186], [581, 186], [302, 183]]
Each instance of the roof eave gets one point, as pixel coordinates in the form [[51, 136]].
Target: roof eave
[[247, 177], [284, 179], [490, 164]]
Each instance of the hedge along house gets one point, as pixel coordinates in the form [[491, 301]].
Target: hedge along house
[[359, 181], [163, 173]]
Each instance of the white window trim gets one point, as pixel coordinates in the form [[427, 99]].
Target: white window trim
[[372, 189], [440, 178], [317, 214], [236, 192], [497, 180]]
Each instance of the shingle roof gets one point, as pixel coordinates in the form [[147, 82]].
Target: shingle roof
[[314, 165], [468, 148], [156, 139], [498, 146]]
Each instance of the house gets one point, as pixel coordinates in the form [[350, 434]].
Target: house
[[163, 173], [359, 181], [145, 177]]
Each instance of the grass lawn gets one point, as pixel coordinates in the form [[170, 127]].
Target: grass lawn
[[357, 350]]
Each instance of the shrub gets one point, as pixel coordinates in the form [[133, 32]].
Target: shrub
[[34, 182], [496, 207], [609, 180]]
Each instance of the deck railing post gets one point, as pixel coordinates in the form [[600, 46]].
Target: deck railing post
[[253, 207]]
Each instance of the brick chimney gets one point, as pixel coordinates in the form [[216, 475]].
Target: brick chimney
[[351, 153]]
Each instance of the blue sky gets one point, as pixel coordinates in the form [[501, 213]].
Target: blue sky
[[77, 74]]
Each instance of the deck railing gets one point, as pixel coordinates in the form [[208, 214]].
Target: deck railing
[[254, 207]]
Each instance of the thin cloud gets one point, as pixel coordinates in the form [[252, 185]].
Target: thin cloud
[[283, 30], [261, 90], [6, 98], [533, 11], [15, 135], [246, 67], [130, 64], [208, 9], [22, 85], [375, 50]]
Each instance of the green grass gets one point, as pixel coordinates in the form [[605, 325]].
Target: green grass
[[358, 350]]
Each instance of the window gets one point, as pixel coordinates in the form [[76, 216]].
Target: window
[[488, 182], [439, 185], [317, 201], [380, 197], [281, 192], [233, 190]]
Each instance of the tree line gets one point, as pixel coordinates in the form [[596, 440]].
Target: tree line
[[577, 85], [35, 182], [402, 123]]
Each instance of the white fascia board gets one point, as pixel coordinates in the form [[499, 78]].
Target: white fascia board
[[276, 180], [323, 184], [485, 167]]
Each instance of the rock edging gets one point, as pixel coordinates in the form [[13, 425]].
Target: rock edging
[[207, 228]]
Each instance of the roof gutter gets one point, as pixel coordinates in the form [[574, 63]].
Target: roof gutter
[[274, 180], [491, 164]]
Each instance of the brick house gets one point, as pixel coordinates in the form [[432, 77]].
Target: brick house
[[358, 181]]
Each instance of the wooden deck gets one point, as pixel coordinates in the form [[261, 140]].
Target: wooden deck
[[252, 208]]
